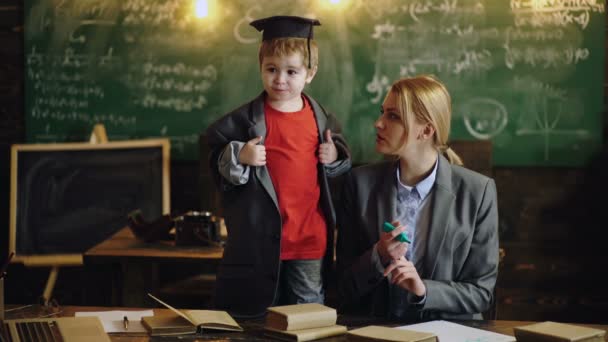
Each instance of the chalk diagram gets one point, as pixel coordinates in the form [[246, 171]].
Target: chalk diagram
[[542, 116], [484, 117]]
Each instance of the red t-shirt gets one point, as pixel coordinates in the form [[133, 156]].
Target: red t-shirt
[[292, 141]]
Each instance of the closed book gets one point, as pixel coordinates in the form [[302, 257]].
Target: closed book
[[305, 334], [205, 319], [300, 316], [378, 333], [557, 332], [167, 325]]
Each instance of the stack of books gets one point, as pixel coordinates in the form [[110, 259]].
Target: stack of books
[[558, 332], [302, 322]]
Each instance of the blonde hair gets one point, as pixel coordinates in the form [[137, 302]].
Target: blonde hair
[[426, 100], [286, 46]]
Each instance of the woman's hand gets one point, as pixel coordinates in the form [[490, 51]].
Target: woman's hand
[[389, 248], [404, 274]]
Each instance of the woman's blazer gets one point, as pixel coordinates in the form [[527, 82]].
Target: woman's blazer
[[460, 265]]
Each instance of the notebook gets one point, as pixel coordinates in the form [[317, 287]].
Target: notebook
[[60, 329]]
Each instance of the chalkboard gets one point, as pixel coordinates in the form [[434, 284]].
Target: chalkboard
[[526, 74], [66, 198]]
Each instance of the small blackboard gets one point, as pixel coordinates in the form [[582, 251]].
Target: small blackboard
[[66, 198]]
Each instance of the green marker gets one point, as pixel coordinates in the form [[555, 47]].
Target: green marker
[[387, 227]]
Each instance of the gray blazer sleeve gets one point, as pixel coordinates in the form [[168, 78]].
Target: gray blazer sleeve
[[473, 292], [229, 166]]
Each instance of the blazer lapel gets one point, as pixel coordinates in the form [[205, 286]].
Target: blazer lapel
[[387, 199], [441, 208], [320, 116], [259, 129]]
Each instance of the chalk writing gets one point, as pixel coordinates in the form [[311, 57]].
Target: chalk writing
[[545, 57], [170, 14], [529, 85], [555, 12], [513, 34], [151, 101], [378, 86], [97, 9], [179, 86], [110, 119]]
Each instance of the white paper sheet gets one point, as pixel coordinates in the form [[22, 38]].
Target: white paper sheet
[[452, 332], [112, 321]]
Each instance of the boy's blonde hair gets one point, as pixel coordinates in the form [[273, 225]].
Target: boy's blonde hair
[[427, 101], [286, 46]]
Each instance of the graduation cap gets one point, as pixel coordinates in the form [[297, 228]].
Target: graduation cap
[[284, 26]]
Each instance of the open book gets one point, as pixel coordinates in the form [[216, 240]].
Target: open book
[[205, 319]]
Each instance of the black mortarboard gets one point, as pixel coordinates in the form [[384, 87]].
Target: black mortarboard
[[284, 26]]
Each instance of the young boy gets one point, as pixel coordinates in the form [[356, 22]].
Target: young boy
[[270, 159]]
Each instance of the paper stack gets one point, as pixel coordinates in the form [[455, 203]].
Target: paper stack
[[302, 322], [378, 333]]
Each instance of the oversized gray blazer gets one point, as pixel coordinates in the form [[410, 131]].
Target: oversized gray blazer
[[247, 278], [460, 266]]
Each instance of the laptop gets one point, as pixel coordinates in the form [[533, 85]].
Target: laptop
[[58, 329]]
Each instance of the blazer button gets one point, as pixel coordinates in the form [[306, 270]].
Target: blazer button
[[371, 281], [276, 237]]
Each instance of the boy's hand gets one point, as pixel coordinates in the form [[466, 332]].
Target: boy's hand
[[252, 153], [327, 150]]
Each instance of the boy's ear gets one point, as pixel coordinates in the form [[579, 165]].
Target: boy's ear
[[311, 74]]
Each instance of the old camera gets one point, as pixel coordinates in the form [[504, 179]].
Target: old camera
[[197, 228]]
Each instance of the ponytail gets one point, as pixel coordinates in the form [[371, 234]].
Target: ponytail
[[450, 155]]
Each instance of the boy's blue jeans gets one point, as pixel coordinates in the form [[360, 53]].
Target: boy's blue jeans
[[300, 282]]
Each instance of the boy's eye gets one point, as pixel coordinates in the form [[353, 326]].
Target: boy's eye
[[271, 69], [292, 72]]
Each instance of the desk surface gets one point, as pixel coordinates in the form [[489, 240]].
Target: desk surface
[[124, 244], [253, 330]]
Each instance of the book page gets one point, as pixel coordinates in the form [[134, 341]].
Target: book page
[[173, 309], [213, 318], [452, 332]]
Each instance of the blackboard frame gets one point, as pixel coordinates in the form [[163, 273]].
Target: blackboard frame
[[19, 150]]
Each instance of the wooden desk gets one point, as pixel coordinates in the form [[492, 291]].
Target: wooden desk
[[253, 328], [138, 263]]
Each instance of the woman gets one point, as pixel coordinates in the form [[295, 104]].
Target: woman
[[448, 212]]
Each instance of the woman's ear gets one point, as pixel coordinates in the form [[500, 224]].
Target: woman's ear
[[427, 131]]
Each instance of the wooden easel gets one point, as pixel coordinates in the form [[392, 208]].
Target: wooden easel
[[98, 136]]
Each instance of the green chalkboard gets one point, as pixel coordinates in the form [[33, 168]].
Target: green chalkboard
[[526, 74]]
